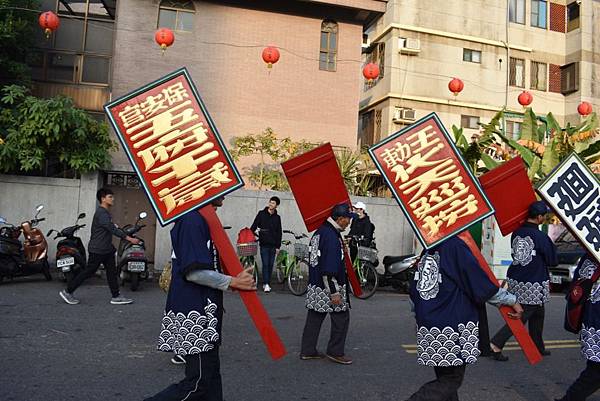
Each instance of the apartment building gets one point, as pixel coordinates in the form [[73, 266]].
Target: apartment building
[[498, 48], [104, 49]]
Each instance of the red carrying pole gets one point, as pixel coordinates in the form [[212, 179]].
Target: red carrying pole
[[232, 267], [516, 326]]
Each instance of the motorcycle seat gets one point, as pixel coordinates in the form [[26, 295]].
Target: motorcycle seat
[[388, 260]]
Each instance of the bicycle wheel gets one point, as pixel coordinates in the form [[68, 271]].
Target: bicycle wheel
[[280, 264], [298, 279], [368, 280], [249, 261]]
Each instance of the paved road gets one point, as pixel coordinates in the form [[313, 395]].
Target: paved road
[[52, 351]]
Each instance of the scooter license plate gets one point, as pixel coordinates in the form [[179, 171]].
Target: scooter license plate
[[136, 266], [556, 279], [65, 263]]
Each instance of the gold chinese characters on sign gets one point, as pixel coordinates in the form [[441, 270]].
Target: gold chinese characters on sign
[[429, 180], [173, 146]]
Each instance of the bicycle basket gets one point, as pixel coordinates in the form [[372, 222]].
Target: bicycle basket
[[368, 254], [247, 249], [301, 250]]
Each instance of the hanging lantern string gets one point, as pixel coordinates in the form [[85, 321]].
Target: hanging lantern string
[[440, 77]]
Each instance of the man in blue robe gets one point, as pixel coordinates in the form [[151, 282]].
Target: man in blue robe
[[447, 291], [328, 288], [588, 381], [528, 278], [191, 325]]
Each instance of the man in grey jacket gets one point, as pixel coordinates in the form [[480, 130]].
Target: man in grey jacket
[[101, 251]]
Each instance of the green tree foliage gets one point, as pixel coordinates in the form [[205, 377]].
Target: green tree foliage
[[542, 145], [354, 166], [272, 151], [33, 130], [17, 24]]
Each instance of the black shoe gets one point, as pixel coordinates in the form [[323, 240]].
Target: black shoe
[[486, 354], [318, 355], [497, 356], [546, 353]]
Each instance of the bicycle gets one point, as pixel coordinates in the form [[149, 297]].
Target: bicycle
[[247, 254], [293, 269], [364, 265]]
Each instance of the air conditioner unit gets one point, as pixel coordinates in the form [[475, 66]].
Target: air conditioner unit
[[409, 114], [410, 46], [404, 115]]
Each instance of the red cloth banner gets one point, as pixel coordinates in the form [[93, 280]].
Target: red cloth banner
[[173, 145], [516, 326], [232, 267], [317, 185], [435, 189]]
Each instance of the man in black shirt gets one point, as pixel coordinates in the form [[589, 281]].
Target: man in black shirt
[[361, 227], [101, 250], [268, 223]]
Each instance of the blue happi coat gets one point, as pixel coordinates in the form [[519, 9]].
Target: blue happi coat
[[326, 258], [446, 292], [532, 252], [192, 320], [590, 331]]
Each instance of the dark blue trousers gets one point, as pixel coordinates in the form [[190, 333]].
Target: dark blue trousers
[[267, 257]]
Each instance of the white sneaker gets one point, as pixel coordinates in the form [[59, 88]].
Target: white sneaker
[[267, 288]]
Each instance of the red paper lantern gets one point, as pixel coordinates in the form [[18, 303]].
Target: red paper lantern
[[456, 86], [164, 37], [584, 108], [270, 55], [49, 22], [371, 71], [525, 98]]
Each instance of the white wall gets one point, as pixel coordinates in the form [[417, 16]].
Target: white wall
[[393, 233], [63, 200]]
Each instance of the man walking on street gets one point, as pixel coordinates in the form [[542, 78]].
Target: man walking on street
[[268, 223], [588, 381], [327, 288], [528, 278], [446, 293], [191, 324], [101, 251]]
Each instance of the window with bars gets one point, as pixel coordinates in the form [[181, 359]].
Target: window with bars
[[81, 50], [569, 78], [572, 16], [471, 122], [472, 56], [329, 40], [517, 72], [377, 136], [539, 76], [513, 129], [516, 11], [539, 13], [177, 15], [366, 134]]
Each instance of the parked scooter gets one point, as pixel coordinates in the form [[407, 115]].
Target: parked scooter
[[29, 258], [132, 258], [70, 253], [398, 271]]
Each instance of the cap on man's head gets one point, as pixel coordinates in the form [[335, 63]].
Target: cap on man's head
[[342, 210], [538, 208], [360, 205]]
